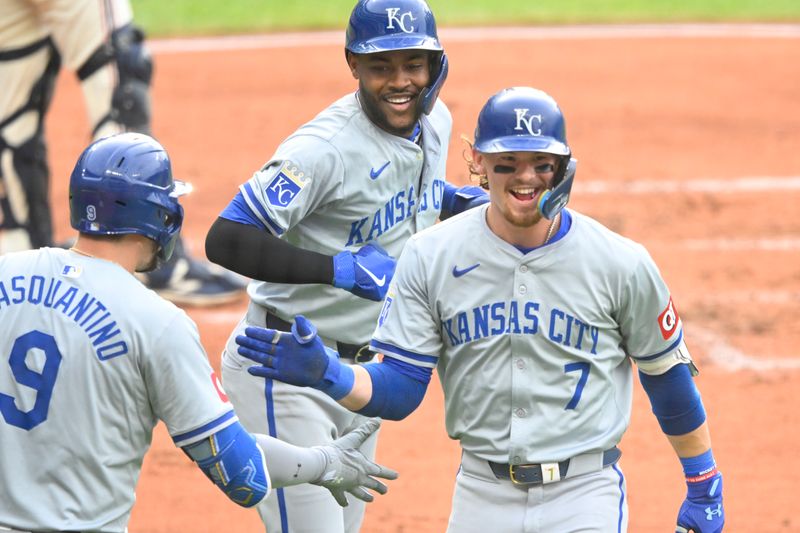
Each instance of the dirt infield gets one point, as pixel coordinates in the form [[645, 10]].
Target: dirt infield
[[688, 145]]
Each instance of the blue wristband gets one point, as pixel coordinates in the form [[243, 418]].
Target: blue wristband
[[699, 465], [338, 380], [344, 266]]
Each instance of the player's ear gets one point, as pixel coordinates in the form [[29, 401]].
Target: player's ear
[[352, 62], [478, 163]]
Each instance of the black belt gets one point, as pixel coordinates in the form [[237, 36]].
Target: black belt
[[533, 474], [353, 353]]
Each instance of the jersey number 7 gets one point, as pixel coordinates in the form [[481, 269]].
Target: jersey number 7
[[583, 367]]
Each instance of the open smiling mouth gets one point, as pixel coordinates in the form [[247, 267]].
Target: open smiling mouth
[[525, 194]]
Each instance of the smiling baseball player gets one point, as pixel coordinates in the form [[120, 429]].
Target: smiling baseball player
[[532, 314], [319, 226]]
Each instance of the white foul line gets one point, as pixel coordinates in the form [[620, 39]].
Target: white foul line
[[726, 185], [724, 244], [498, 34], [730, 359]]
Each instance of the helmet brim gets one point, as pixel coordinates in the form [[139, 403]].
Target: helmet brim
[[180, 188], [390, 43], [522, 143]]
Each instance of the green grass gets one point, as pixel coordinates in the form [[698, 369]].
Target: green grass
[[206, 17]]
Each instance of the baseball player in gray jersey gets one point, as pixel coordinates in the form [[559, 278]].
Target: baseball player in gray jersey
[[90, 360], [97, 40], [533, 315], [319, 226]]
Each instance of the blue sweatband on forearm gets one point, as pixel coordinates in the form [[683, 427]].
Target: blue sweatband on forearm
[[699, 465], [339, 378], [397, 388], [675, 400]]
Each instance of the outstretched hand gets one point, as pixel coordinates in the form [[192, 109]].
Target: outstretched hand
[[348, 470], [297, 358]]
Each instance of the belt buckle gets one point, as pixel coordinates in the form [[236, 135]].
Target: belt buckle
[[364, 354], [512, 473], [548, 473]]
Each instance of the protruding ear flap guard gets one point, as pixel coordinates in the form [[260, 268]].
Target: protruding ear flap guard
[[554, 200], [429, 94]]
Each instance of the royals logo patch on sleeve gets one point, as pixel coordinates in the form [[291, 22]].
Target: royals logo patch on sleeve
[[385, 310], [286, 185], [668, 320]]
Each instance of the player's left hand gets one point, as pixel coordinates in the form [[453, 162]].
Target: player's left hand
[[457, 200], [702, 510], [298, 358], [347, 470]]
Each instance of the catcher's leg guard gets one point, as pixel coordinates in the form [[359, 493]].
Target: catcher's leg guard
[[24, 201], [131, 101], [30, 164]]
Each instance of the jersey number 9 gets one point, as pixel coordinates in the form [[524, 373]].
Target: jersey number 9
[[42, 382]]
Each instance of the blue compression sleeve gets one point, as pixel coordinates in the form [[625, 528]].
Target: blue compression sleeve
[[397, 388], [232, 460], [675, 400]]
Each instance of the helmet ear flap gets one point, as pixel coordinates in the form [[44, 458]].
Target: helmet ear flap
[[554, 200], [439, 71]]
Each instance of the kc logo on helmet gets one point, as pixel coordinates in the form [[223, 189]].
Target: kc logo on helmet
[[523, 118], [408, 16], [668, 320]]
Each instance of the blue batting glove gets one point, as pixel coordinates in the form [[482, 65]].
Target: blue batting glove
[[456, 200], [702, 510], [298, 358], [366, 273]]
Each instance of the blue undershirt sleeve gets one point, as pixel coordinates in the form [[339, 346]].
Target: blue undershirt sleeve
[[397, 388], [238, 211], [675, 400]]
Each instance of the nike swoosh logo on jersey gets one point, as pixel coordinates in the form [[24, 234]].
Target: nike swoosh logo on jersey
[[458, 273], [380, 282], [375, 173]]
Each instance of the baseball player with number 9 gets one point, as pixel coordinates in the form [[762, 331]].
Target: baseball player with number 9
[[91, 360], [533, 315]]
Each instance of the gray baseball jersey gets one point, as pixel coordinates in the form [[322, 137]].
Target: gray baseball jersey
[[338, 183], [90, 360], [533, 349]]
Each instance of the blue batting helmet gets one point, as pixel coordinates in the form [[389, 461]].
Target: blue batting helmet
[[387, 25], [522, 119], [123, 184]]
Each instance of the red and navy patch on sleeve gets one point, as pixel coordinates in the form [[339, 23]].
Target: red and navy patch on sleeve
[[218, 386], [668, 320]]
